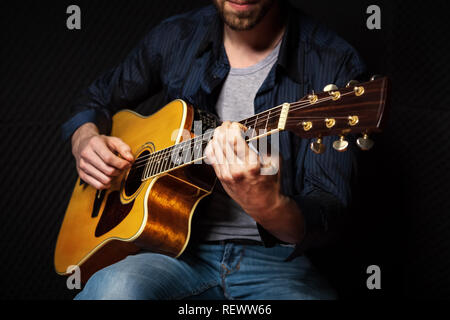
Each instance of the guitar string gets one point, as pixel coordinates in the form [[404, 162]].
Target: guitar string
[[263, 119], [194, 142], [184, 163], [253, 124], [165, 152], [178, 166], [161, 159], [166, 170]]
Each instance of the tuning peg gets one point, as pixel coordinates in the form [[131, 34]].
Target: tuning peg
[[365, 143], [313, 98], [330, 87], [352, 83], [318, 147], [330, 123], [353, 120], [340, 145], [359, 90], [307, 125], [375, 77]]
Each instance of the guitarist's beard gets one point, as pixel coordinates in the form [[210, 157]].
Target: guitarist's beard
[[243, 20]]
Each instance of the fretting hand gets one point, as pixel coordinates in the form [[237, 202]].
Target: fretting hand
[[239, 168]]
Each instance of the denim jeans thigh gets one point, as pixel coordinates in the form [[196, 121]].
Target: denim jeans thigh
[[149, 276], [264, 274]]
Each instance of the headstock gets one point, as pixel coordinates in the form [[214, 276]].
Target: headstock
[[357, 108]]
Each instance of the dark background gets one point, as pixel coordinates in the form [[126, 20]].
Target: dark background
[[402, 209]]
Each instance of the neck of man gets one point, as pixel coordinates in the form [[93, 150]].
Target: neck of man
[[246, 48]]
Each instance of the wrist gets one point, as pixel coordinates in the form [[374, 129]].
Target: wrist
[[284, 220], [85, 131], [271, 209]]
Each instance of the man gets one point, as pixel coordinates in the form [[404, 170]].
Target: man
[[235, 59]]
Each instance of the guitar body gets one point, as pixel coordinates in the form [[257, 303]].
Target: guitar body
[[101, 228]]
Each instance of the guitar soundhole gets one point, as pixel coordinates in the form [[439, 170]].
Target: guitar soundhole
[[133, 181]]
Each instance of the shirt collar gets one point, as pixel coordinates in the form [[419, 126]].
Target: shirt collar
[[291, 56], [213, 39]]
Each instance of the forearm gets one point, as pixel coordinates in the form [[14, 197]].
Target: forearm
[[283, 219]]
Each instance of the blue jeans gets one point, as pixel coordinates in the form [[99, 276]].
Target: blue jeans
[[210, 272]]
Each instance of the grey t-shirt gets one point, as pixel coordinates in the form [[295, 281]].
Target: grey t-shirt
[[223, 218]]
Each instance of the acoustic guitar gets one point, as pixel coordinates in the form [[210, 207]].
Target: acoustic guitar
[[151, 205]]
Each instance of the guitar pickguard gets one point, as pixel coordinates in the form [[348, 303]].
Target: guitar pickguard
[[113, 214], [99, 196]]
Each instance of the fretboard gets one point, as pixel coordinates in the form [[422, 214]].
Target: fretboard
[[192, 151]]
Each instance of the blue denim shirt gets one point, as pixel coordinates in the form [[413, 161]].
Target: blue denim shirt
[[184, 56]]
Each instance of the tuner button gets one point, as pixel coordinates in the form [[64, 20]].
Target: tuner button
[[352, 83], [359, 91], [313, 98], [336, 95], [330, 87], [340, 145], [330, 123], [307, 125], [364, 143], [375, 77], [353, 120], [318, 147]]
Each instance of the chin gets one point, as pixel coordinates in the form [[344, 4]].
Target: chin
[[241, 15]]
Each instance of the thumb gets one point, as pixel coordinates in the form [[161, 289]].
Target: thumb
[[121, 147]]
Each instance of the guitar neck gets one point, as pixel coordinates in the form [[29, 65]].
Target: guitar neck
[[358, 108], [192, 151], [268, 120]]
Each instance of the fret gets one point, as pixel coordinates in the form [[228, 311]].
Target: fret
[[165, 161], [143, 172], [168, 160], [198, 150], [187, 153], [165, 158], [176, 156], [152, 166], [147, 167], [255, 127], [172, 164], [157, 165], [267, 122]]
